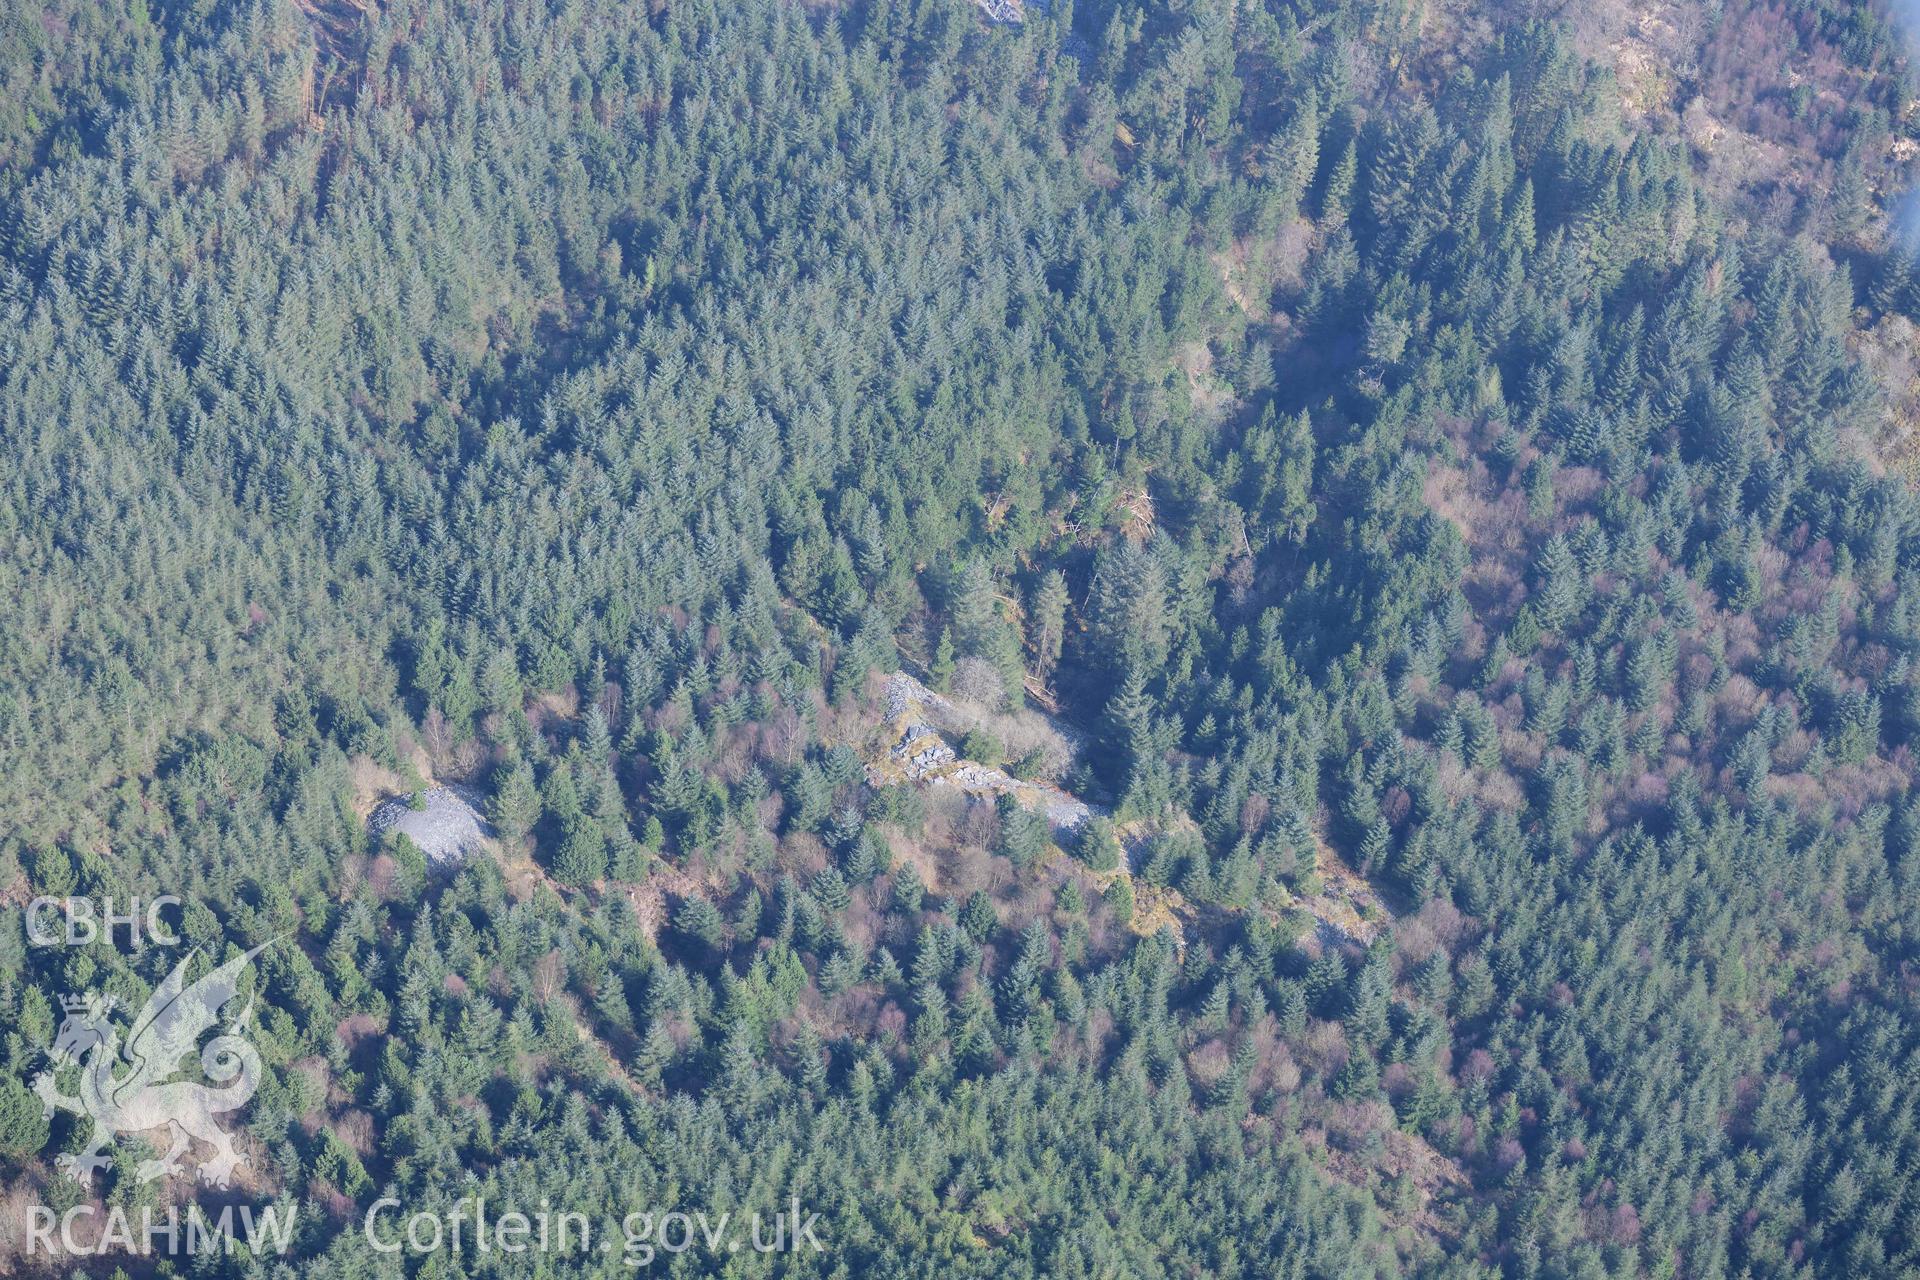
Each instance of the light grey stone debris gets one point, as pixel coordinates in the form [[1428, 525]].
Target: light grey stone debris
[[448, 830]]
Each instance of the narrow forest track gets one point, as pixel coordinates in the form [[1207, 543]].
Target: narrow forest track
[[583, 1025], [336, 25]]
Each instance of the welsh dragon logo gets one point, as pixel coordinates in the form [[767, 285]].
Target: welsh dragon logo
[[131, 1089]]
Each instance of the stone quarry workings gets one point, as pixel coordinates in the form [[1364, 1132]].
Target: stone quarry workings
[[923, 720]]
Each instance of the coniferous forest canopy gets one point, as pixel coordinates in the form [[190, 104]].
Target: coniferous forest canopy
[[1424, 488]]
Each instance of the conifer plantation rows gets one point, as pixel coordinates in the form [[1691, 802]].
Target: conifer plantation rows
[[1450, 525]]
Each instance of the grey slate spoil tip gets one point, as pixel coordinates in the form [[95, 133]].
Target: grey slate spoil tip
[[447, 831]]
